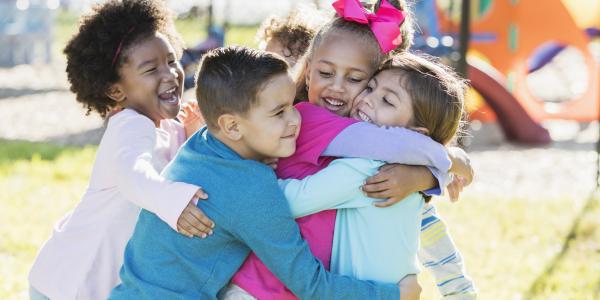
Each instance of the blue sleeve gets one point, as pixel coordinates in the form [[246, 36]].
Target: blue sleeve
[[393, 145], [336, 186], [268, 228]]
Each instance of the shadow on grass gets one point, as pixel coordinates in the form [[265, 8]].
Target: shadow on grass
[[85, 138], [6, 93], [13, 150], [570, 240]]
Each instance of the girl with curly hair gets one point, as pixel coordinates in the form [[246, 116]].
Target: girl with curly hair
[[124, 57]]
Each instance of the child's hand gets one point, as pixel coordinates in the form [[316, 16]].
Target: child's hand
[[190, 118], [193, 221], [395, 182], [409, 288], [456, 187], [461, 164]]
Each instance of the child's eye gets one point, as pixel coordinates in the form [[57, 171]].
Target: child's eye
[[325, 74], [385, 100], [355, 80], [150, 70]]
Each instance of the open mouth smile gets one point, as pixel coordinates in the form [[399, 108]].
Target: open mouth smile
[[169, 96]]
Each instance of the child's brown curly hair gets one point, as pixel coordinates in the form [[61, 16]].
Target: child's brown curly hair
[[294, 31], [105, 35]]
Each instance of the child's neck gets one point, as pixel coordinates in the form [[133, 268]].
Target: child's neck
[[239, 147]]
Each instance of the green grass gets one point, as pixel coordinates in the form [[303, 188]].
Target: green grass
[[39, 184], [513, 247]]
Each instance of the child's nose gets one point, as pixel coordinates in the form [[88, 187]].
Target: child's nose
[[171, 73], [338, 85], [368, 101]]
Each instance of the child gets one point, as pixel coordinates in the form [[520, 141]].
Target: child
[[290, 36], [381, 244], [342, 57], [125, 54], [246, 98]]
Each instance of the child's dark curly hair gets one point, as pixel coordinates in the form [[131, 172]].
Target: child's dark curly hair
[[112, 25]]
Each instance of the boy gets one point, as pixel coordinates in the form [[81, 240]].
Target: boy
[[246, 99]]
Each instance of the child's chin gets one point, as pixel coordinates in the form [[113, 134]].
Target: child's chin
[[287, 151]]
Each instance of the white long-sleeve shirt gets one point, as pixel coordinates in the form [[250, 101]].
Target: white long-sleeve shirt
[[82, 258]]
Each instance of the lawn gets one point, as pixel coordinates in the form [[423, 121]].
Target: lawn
[[514, 248]]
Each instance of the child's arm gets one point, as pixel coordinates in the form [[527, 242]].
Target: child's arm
[[389, 144], [395, 145], [394, 182], [439, 254], [265, 225], [139, 182], [336, 186]]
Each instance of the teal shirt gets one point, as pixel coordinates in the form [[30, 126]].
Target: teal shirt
[[369, 242], [251, 214]]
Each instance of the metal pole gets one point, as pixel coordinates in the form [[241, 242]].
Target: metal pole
[[598, 147], [465, 36]]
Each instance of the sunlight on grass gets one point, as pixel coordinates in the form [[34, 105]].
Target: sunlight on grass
[[39, 185], [506, 243], [576, 273]]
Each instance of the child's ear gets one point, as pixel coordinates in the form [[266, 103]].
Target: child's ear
[[421, 130], [230, 126], [116, 93]]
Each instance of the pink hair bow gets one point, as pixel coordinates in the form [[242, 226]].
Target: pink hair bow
[[385, 23]]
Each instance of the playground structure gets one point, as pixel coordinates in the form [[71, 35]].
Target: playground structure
[[511, 42], [26, 31]]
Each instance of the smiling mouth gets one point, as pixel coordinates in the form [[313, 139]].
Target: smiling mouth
[[363, 117], [334, 104], [169, 96]]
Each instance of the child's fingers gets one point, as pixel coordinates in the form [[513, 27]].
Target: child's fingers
[[376, 187], [182, 115], [387, 167], [189, 109], [200, 193], [377, 178], [193, 226], [182, 230], [380, 195], [199, 217], [453, 191]]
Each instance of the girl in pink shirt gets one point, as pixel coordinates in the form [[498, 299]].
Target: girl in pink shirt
[[125, 55]]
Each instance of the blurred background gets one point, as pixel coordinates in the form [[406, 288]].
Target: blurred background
[[528, 226]]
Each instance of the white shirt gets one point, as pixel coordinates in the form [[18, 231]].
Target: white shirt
[[82, 258]]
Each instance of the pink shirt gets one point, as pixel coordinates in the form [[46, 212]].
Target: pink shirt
[[82, 258], [319, 128]]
